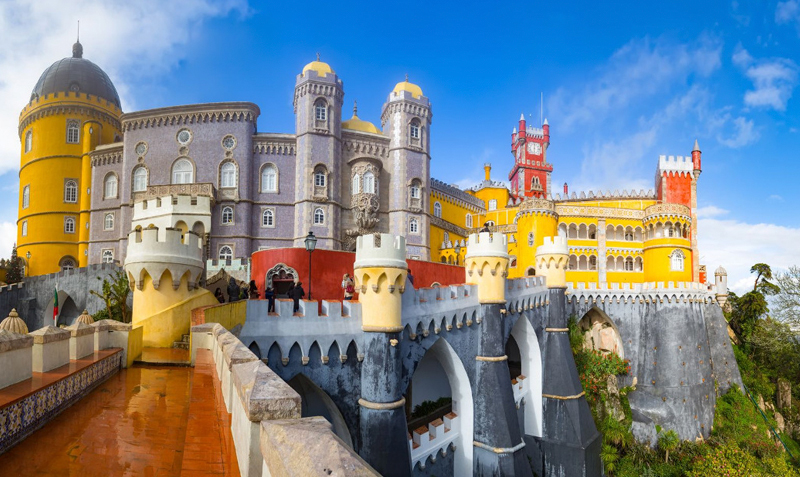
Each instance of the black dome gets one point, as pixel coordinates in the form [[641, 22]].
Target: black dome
[[76, 74]]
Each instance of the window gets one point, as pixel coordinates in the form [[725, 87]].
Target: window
[[414, 130], [629, 264], [493, 204], [446, 237], [321, 111], [677, 261], [269, 178], [227, 175], [69, 225], [226, 253], [413, 226], [28, 141], [489, 223], [319, 178], [26, 196], [71, 192], [182, 172], [108, 256], [592, 263], [319, 217], [369, 183], [140, 179], [468, 221], [530, 239], [66, 264], [108, 222], [356, 184], [73, 131], [437, 209], [268, 218], [24, 228], [227, 215], [110, 187], [416, 193]]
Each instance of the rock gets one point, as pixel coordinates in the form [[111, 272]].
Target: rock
[[784, 394], [780, 424], [760, 402], [613, 405], [768, 405]]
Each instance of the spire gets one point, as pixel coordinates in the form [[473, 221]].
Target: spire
[[522, 117], [406, 77], [77, 48], [355, 108], [317, 56], [696, 146]]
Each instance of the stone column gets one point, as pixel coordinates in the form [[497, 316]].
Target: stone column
[[380, 273], [570, 441], [499, 448], [601, 250]]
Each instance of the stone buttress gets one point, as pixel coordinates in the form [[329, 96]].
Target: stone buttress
[[380, 273], [570, 441], [499, 447]]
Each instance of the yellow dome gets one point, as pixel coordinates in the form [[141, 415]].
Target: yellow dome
[[322, 68], [415, 90], [357, 124]]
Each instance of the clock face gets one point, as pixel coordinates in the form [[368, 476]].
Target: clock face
[[534, 148]]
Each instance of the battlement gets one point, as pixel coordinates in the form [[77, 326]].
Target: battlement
[[592, 195], [675, 164], [456, 193], [174, 253], [485, 244], [61, 96], [553, 246], [387, 251], [649, 292], [170, 204]]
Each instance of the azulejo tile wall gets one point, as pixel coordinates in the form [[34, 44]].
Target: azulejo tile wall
[[23, 417]]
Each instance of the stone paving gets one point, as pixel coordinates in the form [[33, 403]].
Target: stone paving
[[144, 421]]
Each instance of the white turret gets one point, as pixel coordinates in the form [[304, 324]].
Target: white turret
[[721, 283], [175, 253]]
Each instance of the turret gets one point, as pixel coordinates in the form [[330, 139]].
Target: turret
[[546, 129], [487, 172], [380, 273], [552, 259], [523, 129], [486, 264], [721, 286], [696, 157]]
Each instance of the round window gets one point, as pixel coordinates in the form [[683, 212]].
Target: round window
[[141, 149], [184, 136], [228, 142]]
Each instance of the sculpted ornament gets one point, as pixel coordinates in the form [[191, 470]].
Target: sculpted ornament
[[365, 215]]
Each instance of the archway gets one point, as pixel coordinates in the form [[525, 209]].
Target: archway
[[523, 336], [316, 402], [280, 278], [441, 361], [68, 311], [255, 349], [600, 333]]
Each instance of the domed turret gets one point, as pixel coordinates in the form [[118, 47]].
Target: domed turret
[[76, 74], [357, 124], [415, 90], [321, 68]]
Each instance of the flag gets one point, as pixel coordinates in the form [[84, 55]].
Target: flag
[[55, 306]]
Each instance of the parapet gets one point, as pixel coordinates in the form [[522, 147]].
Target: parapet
[[675, 164], [553, 246], [389, 252], [176, 254], [487, 245]]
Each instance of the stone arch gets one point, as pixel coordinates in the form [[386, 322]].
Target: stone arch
[[255, 349], [531, 363], [280, 277], [68, 311], [316, 402], [601, 333]]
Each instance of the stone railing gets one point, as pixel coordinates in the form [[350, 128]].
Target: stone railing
[[668, 210], [438, 436], [205, 189], [269, 436], [520, 387]]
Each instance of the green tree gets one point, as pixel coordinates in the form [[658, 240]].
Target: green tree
[[14, 272], [787, 301], [763, 276], [668, 441], [747, 309], [114, 294]]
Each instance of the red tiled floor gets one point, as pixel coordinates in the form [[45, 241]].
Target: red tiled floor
[[143, 421], [165, 356]]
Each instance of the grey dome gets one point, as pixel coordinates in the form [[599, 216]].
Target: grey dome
[[76, 74]]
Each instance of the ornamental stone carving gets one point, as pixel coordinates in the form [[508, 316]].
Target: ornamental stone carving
[[365, 216]]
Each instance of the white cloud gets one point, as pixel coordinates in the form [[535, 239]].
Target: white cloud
[[8, 235], [744, 133], [710, 211], [773, 79], [132, 41], [776, 198], [788, 12]]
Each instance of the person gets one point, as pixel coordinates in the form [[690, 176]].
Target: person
[[486, 228], [296, 294], [410, 277], [269, 294], [233, 290], [253, 290], [219, 296], [349, 287]]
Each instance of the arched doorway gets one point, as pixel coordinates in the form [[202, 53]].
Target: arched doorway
[[600, 333], [440, 373], [68, 311], [280, 278], [316, 402], [523, 345]]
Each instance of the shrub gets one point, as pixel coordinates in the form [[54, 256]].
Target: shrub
[[727, 460]]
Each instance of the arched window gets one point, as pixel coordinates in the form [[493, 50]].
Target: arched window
[[226, 253], [573, 231], [356, 184], [321, 110], [227, 215], [676, 261], [592, 263], [437, 209], [573, 262], [629, 264], [28, 141], [66, 264], [269, 178], [638, 264], [319, 217], [413, 131], [268, 218], [416, 191], [319, 177], [413, 226], [493, 204], [108, 222], [26, 196], [446, 237], [71, 192], [24, 228], [562, 230], [110, 186], [468, 221], [583, 263], [227, 175], [73, 131], [369, 183], [530, 239], [108, 256], [182, 172], [69, 225], [140, 179]]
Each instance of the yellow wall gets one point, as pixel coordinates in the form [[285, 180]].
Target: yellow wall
[[542, 226], [454, 212], [48, 164], [227, 314], [134, 345]]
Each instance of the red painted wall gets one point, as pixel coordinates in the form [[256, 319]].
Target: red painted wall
[[678, 189], [328, 266]]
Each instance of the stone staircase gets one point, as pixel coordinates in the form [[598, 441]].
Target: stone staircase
[[183, 343]]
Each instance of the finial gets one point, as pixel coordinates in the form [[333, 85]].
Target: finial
[[696, 146], [522, 116], [317, 56], [77, 48], [406, 77], [79, 31], [355, 108]]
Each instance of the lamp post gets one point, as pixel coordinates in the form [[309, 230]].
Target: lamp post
[[311, 244], [458, 252], [28, 264]]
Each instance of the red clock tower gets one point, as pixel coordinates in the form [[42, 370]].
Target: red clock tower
[[530, 176]]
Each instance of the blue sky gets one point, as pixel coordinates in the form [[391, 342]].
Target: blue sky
[[622, 84]]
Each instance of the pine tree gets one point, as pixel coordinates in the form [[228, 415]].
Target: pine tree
[[14, 268]]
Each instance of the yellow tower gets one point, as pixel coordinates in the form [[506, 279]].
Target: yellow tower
[[380, 275], [667, 246], [73, 108], [552, 260], [486, 264], [536, 220]]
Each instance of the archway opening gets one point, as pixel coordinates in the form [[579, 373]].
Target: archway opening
[[316, 402], [525, 367], [281, 277], [600, 333], [255, 349], [68, 311], [514, 359]]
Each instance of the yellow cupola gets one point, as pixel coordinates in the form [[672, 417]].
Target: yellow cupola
[[357, 124], [415, 90], [322, 68]]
